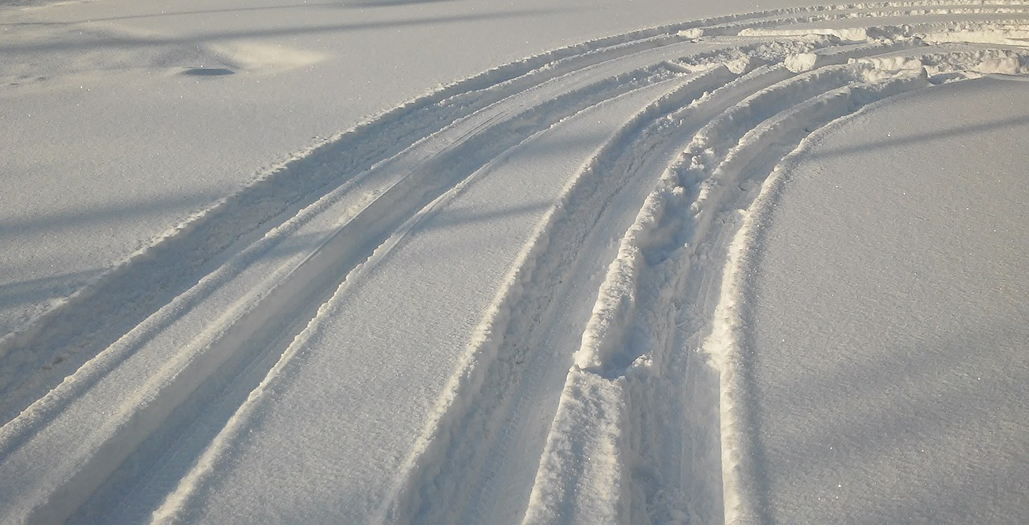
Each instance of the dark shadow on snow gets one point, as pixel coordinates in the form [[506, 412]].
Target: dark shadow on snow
[[208, 72], [964, 131], [125, 42]]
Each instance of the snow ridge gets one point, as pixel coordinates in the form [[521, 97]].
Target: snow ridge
[[660, 256], [602, 383], [516, 320]]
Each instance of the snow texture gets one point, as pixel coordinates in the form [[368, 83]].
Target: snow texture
[[886, 340], [614, 262]]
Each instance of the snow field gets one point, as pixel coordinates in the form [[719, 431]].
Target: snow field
[[919, 419], [594, 195]]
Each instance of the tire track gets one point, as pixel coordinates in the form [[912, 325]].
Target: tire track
[[32, 359], [199, 323], [38, 354], [165, 381], [568, 243], [616, 451], [146, 356]]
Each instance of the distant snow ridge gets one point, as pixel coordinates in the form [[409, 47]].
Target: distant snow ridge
[[600, 384]]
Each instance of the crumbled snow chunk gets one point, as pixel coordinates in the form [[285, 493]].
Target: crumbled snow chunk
[[801, 62], [738, 66], [1004, 66], [693, 33]]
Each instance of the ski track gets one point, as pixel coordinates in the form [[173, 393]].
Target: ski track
[[597, 377]]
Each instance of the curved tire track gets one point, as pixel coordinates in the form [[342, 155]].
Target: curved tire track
[[618, 450], [185, 336], [178, 352]]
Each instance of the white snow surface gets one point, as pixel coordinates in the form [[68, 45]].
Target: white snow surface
[[887, 333], [123, 119], [460, 261]]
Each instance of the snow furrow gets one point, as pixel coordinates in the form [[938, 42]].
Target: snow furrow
[[260, 319], [740, 507], [38, 355], [598, 378], [721, 345], [294, 288], [504, 371], [631, 444]]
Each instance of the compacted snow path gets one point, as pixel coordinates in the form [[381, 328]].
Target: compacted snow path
[[513, 299]]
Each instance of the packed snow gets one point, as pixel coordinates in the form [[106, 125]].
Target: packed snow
[[455, 261]]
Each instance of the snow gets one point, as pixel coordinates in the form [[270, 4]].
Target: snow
[[462, 262], [887, 311], [110, 142]]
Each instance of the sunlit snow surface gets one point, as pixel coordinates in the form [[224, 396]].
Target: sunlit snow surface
[[888, 341], [480, 261], [119, 120]]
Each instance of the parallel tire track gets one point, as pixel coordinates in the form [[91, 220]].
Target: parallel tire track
[[629, 442], [273, 313], [623, 439]]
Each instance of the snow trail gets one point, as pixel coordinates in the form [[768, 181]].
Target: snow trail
[[584, 369], [563, 257], [567, 489]]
